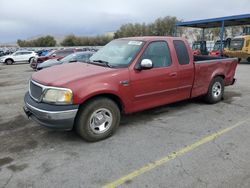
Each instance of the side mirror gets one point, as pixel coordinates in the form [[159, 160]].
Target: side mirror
[[146, 64]]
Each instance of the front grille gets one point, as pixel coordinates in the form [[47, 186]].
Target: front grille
[[35, 91]]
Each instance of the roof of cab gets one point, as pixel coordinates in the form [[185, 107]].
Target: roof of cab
[[150, 38]]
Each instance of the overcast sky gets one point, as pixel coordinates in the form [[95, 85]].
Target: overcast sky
[[22, 19]]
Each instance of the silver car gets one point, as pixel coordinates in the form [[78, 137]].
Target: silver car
[[75, 57]]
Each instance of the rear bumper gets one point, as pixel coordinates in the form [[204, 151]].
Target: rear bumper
[[52, 116], [234, 81]]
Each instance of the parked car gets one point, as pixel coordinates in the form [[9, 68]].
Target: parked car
[[18, 56], [42, 52], [2, 53], [125, 76], [75, 57], [57, 54], [200, 48]]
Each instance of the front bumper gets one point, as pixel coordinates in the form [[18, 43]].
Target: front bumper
[[53, 116]]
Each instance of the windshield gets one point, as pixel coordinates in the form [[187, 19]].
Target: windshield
[[118, 53], [217, 46], [71, 57], [236, 44]]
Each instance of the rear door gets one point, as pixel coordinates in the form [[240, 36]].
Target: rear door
[[185, 68], [158, 85], [26, 56]]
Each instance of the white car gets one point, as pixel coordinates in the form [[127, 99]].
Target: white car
[[18, 56]]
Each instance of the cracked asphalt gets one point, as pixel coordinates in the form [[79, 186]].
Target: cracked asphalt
[[34, 156]]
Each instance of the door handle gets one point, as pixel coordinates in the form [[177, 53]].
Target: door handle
[[173, 74]]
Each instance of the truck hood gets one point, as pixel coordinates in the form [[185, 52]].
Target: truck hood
[[61, 76]]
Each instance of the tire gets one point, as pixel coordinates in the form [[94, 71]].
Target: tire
[[239, 60], [215, 91], [9, 61], [248, 59], [31, 59], [97, 119]]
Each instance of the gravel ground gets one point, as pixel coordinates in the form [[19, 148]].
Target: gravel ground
[[34, 156]]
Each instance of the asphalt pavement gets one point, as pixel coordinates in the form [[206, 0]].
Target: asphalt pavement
[[186, 144]]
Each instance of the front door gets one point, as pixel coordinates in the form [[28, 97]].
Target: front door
[[158, 85]]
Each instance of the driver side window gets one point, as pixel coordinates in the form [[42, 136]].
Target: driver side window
[[158, 53], [18, 53]]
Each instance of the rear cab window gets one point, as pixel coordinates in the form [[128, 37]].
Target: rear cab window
[[181, 52]]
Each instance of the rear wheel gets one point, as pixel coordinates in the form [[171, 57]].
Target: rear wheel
[[9, 61], [248, 59], [215, 91], [97, 119]]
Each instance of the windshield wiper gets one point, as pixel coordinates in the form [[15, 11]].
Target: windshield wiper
[[103, 62]]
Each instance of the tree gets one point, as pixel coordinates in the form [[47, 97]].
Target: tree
[[47, 41], [73, 40], [160, 27]]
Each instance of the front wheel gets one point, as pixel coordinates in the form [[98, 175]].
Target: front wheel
[[97, 119], [215, 91], [9, 62]]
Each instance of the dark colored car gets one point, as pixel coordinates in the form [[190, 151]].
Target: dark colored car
[[57, 54], [42, 52], [75, 57], [2, 53]]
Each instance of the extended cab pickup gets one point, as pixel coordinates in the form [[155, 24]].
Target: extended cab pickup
[[125, 76]]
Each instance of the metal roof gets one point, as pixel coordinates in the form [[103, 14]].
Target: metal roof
[[236, 20]]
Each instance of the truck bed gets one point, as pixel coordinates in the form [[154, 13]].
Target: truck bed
[[207, 67], [202, 58]]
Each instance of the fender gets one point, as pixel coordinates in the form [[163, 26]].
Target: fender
[[99, 89], [218, 72]]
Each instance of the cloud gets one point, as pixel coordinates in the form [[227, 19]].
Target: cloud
[[24, 19]]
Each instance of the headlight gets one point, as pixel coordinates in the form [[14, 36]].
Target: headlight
[[58, 96]]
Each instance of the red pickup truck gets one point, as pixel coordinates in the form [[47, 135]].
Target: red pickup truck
[[125, 76]]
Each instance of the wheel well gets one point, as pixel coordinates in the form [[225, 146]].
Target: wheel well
[[222, 76], [31, 58], [113, 97], [9, 59]]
